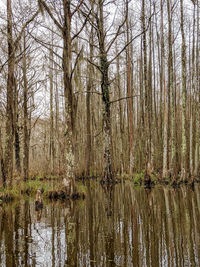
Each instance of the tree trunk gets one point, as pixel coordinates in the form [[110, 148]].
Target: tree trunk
[[52, 147], [121, 125], [88, 104], [129, 93], [104, 66], [192, 104], [16, 130], [8, 159], [173, 167], [2, 171], [184, 170], [70, 101], [147, 102], [196, 168], [26, 134]]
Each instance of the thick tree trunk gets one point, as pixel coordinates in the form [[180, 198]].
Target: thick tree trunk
[[196, 163], [104, 66], [173, 167], [108, 172], [150, 89], [70, 101], [121, 125], [163, 111], [130, 106], [25, 132], [57, 128], [52, 147], [147, 178], [184, 169], [165, 135], [88, 104], [142, 118], [8, 159], [16, 130], [192, 105]]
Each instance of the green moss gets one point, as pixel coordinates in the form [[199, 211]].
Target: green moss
[[81, 189], [43, 177], [126, 176], [32, 186], [28, 188], [138, 178]]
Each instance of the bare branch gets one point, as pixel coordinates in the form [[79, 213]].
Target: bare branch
[[118, 30], [90, 92], [51, 15], [76, 62], [45, 45], [83, 25], [135, 37], [24, 27], [77, 7], [122, 98], [16, 59], [97, 66]]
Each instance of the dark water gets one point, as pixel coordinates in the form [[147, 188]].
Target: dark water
[[120, 227]]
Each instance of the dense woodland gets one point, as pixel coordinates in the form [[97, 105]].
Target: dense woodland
[[99, 88]]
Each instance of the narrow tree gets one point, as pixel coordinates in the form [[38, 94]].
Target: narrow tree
[[184, 169], [8, 166]]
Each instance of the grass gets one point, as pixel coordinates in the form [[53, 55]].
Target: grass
[[138, 178], [82, 189], [25, 187], [30, 187]]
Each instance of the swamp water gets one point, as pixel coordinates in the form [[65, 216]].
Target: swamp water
[[125, 226]]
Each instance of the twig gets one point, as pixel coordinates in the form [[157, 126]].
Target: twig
[[122, 98]]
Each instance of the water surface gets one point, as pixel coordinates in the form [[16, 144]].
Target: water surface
[[123, 226]]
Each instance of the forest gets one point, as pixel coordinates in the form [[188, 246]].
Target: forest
[[99, 133], [100, 88]]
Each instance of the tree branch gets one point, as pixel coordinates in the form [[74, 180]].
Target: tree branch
[[90, 92], [127, 44], [77, 7], [24, 27], [118, 30], [51, 15], [83, 25], [97, 66], [45, 45], [122, 98], [16, 59], [76, 62]]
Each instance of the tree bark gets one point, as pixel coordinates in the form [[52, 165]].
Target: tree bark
[[52, 146], [25, 107], [196, 168], [104, 66], [147, 102], [88, 103], [173, 167], [130, 101], [70, 100], [184, 169], [16, 130], [8, 159]]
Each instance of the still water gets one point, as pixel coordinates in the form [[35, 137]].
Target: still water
[[123, 226]]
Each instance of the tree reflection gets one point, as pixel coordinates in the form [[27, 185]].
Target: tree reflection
[[114, 226]]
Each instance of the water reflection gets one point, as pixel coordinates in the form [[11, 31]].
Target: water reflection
[[119, 226]]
